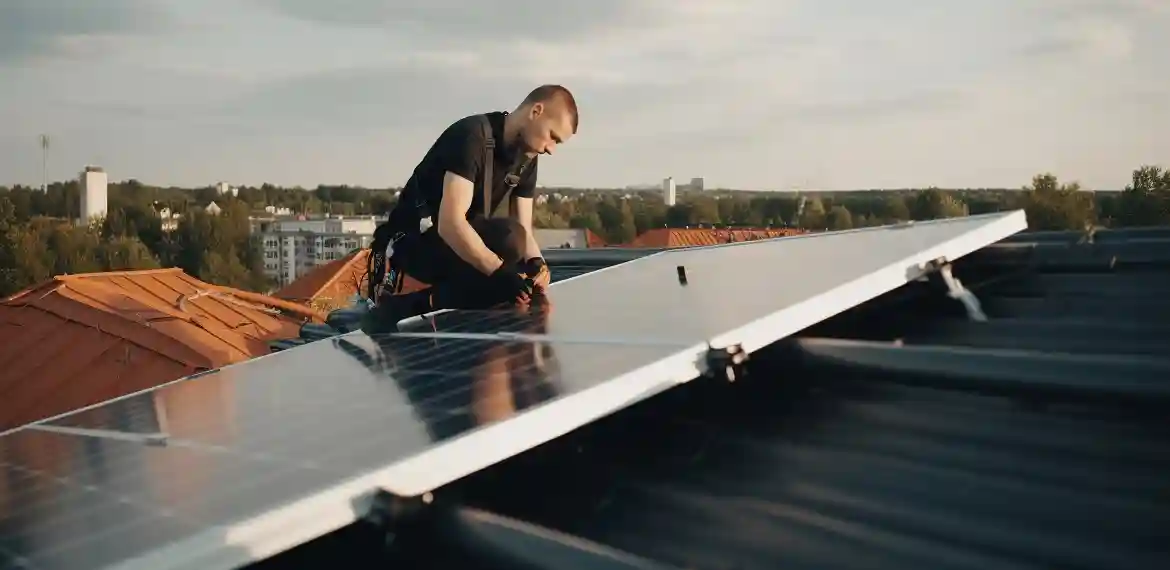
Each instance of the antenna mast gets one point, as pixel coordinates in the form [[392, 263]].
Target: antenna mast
[[44, 163]]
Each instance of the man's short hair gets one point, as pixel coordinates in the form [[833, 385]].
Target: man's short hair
[[549, 92]]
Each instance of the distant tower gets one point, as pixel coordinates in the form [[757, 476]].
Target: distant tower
[[697, 184], [94, 182], [44, 163], [668, 191]]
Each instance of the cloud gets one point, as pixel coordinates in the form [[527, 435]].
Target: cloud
[[34, 28], [749, 93], [468, 23], [1084, 38], [360, 99]]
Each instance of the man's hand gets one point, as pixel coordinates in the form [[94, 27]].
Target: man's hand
[[510, 284], [537, 270]]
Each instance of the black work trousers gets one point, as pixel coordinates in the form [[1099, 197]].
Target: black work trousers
[[454, 283]]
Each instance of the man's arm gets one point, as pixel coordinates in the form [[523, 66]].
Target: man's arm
[[521, 210], [520, 207], [457, 231]]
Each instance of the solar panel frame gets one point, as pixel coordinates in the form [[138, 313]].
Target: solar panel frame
[[319, 511]]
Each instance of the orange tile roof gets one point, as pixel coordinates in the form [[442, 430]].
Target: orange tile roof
[[330, 286], [77, 340], [691, 237]]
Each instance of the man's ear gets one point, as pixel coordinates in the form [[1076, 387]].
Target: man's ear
[[537, 110]]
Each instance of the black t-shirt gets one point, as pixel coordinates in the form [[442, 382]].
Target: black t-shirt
[[460, 149]]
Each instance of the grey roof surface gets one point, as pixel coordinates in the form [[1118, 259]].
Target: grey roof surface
[[898, 435]]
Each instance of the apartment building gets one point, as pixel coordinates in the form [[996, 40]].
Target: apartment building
[[293, 246]]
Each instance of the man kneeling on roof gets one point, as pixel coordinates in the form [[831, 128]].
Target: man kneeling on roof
[[441, 231]]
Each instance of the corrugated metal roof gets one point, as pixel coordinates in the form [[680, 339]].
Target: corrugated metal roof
[[898, 435], [77, 340]]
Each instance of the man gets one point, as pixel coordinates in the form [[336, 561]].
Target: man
[[442, 233]]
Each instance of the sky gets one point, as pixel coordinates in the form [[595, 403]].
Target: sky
[[749, 94]]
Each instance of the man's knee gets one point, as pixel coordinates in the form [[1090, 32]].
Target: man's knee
[[504, 236]]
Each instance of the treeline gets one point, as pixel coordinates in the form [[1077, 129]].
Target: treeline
[[1050, 205], [37, 243], [39, 240]]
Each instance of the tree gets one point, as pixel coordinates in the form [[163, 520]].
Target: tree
[[780, 211], [25, 259], [1146, 200], [35, 252], [7, 214], [934, 204], [812, 216], [839, 218], [588, 221], [225, 268], [894, 209], [705, 211], [679, 215], [1052, 206], [124, 253], [228, 236], [648, 214], [38, 241], [617, 220]]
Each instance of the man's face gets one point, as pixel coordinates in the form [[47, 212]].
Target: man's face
[[549, 125]]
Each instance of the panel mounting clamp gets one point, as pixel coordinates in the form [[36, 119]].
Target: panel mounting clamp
[[387, 510], [726, 364], [955, 289]]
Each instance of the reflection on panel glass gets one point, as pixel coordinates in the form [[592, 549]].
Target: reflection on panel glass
[[517, 321], [243, 441], [458, 384], [142, 416]]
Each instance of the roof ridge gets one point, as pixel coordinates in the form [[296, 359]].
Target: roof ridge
[[103, 274], [271, 301], [171, 311], [335, 270], [154, 335], [346, 262]]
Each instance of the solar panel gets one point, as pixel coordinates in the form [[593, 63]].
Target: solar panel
[[747, 293], [247, 461]]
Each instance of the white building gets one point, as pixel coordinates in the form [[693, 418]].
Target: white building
[[94, 193], [562, 239], [223, 188], [669, 192], [292, 247], [169, 219]]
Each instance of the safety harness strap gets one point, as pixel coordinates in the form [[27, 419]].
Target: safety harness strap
[[489, 161]]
